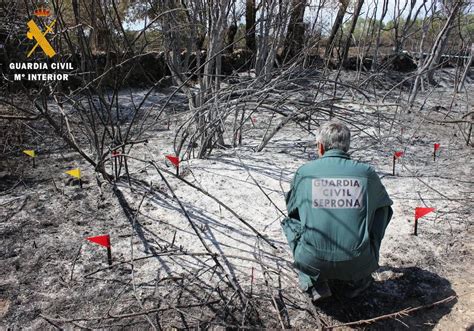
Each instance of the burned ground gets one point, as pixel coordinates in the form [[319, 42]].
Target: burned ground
[[163, 276]]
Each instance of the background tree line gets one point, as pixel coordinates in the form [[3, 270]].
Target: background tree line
[[290, 26], [108, 40]]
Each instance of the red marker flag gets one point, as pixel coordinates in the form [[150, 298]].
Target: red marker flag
[[254, 120], [422, 211], [419, 213], [436, 147], [174, 160], [115, 153], [398, 154], [101, 240]]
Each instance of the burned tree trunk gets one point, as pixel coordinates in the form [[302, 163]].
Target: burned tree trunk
[[273, 16], [466, 70], [435, 54], [377, 43], [336, 26], [441, 41], [250, 25], [212, 73], [231, 32], [295, 36], [355, 16]]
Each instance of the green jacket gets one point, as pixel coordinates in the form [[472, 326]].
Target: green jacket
[[343, 209]]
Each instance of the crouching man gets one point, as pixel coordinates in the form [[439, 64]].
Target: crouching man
[[338, 211]]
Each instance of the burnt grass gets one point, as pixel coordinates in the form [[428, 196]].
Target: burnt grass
[[45, 279]]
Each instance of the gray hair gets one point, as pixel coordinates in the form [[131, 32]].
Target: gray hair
[[334, 135]]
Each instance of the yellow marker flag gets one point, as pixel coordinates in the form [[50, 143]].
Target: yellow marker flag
[[29, 152], [74, 173]]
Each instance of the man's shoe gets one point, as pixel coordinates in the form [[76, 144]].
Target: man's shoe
[[359, 286], [319, 291]]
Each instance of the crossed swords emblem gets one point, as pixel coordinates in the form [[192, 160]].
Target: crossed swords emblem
[[36, 33]]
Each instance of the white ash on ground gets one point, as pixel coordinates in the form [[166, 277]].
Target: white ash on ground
[[162, 274]]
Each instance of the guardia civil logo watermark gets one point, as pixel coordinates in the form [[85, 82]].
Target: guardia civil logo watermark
[[41, 49], [36, 34]]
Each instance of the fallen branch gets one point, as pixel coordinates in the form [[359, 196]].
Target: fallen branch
[[145, 312], [182, 253], [232, 280], [164, 309], [403, 312], [21, 118], [269, 289]]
